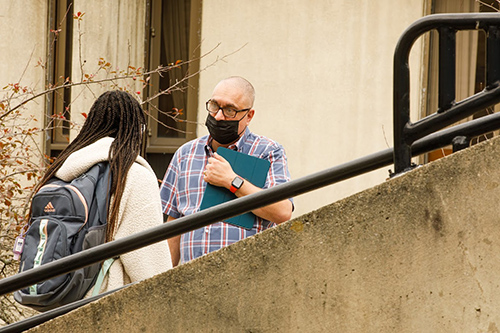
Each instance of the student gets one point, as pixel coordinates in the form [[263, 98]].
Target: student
[[113, 132], [196, 163]]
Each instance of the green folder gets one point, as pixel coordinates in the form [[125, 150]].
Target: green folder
[[248, 167]]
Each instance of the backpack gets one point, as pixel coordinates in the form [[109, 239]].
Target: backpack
[[65, 218]]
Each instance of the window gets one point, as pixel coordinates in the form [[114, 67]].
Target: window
[[480, 75], [58, 69], [470, 63], [173, 35]]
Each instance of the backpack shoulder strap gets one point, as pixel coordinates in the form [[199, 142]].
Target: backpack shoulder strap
[[102, 273], [102, 190]]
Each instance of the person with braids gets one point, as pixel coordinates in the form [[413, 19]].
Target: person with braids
[[113, 132]]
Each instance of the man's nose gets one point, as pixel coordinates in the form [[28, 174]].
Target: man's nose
[[219, 115]]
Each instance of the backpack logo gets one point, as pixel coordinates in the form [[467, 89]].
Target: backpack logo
[[49, 208]]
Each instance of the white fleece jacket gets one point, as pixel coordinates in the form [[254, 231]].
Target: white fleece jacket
[[140, 209]]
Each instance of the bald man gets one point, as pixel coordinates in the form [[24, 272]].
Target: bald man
[[196, 163]]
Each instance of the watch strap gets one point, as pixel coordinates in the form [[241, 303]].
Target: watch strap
[[236, 184]]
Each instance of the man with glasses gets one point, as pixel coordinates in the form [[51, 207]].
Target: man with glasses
[[197, 163]]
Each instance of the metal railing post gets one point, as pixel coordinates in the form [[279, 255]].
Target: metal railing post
[[493, 57], [447, 68]]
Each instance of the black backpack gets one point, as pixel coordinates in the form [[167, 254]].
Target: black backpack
[[65, 218]]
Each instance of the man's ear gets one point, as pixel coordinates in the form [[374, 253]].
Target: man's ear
[[250, 115]]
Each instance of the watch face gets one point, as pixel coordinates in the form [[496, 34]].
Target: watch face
[[237, 182]]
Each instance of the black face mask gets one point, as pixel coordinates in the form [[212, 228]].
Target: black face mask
[[223, 131]]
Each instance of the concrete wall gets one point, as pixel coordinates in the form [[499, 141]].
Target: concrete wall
[[418, 253], [323, 77], [23, 43]]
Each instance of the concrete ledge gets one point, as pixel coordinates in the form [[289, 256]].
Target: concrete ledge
[[418, 253]]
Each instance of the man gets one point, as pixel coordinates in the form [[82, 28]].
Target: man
[[197, 163]]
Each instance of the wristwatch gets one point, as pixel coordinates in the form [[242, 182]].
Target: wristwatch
[[236, 184]]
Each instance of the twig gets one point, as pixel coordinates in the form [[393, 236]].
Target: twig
[[158, 70], [488, 5]]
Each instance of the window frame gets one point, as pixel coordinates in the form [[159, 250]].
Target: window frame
[[58, 68]]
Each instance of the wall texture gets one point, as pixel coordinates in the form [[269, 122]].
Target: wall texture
[[23, 43], [418, 253], [322, 73]]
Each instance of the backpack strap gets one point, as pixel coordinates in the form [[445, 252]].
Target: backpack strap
[[40, 251], [102, 273], [102, 190]]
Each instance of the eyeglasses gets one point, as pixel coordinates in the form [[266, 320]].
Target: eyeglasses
[[213, 108]]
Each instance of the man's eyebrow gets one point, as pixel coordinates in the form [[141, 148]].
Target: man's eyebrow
[[226, 105]]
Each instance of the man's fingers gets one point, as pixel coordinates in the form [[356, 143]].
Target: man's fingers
[[218, 157]]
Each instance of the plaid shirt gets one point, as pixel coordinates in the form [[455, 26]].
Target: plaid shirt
[[183, 187]]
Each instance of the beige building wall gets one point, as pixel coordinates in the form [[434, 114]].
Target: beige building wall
[[23, 43], [323, 77], [322, 71]]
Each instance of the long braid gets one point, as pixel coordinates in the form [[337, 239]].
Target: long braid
[[114, 114], [123, 153]]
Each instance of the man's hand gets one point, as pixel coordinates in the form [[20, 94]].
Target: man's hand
[[218, 172]]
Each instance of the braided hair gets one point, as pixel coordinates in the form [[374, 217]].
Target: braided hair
[[114, 114]]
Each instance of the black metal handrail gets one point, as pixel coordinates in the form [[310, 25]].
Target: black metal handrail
[[418, 145], [449, 112], [240, 205]]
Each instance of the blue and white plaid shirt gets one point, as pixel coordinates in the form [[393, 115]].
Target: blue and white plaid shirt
[[183, 187]]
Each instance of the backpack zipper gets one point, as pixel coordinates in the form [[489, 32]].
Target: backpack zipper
[[82, 198]]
